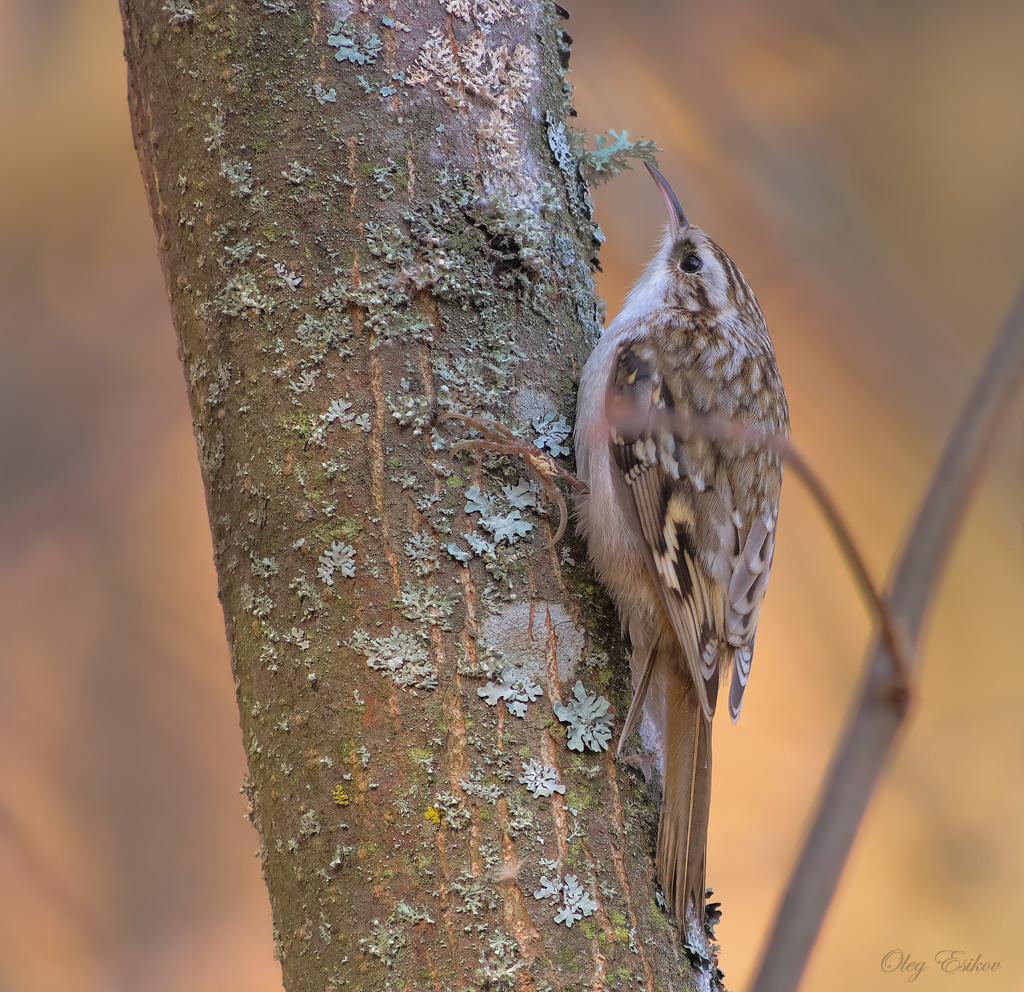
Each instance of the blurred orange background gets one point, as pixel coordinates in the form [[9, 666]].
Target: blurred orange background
[[862, 163]]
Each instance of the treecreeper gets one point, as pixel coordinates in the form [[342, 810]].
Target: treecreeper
[[681, 523]]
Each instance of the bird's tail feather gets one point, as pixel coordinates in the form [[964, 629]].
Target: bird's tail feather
[[683, 828], [636, 707]]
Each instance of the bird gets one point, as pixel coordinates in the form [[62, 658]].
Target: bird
[[680, 524]]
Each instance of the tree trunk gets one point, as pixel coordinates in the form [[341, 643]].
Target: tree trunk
[[369, 215]]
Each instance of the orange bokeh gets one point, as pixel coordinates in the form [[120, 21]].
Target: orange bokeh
[[862, 166]]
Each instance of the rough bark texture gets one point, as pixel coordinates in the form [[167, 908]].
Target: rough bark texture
[[368, 215]]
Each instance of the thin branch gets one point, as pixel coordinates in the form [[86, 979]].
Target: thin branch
[[712, 427], [872, 730], [873, 726]]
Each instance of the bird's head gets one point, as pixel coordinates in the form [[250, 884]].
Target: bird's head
[[690, 272]]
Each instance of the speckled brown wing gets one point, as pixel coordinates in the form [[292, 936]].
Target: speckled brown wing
[[705, 514], [747, 586], [687, 525]]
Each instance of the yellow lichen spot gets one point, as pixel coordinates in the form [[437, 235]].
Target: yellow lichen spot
[[340, 796], [432, 814]]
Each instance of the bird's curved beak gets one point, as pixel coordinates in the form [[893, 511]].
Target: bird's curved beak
[[676, 217]]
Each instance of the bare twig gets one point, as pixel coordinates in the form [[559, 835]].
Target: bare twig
[[874, 723], [872, 728], [713, 427]]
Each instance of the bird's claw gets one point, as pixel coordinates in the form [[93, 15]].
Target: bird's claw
[[497, 438]]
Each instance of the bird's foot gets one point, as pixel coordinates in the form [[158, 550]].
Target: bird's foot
[[497, 438]]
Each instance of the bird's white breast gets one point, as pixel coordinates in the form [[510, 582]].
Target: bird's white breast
[[615, 554]]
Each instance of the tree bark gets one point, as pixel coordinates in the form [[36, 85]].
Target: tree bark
[[368, 215]]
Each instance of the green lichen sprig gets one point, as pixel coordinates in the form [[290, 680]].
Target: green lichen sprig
[[612, 155]]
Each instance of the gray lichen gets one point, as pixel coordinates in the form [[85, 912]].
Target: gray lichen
[[451, 810], [422, 549], [179, 14], [575, 901], [553, 432], [343, 38], [516, 688], [541, 780], [338, 557], [508, 527], [241, 295], [309, 823], [401, 656], [477, 785], [428, 606], [590, 723], [458, 554], [324, 96]]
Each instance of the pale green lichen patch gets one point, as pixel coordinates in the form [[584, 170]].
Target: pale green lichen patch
[[590, 723], [309, 823], [482, 786], [572, 900], [179, 14], [324, 95], [541, 780], [422, 549], [297, 173], [239, 175], [428, 606], [501, 518], [553, 433], [516, 688], [241, 295], [338, 558], [401, 656], [452, 812], [325, 337], [412, 411], [361, 51], [476, 895], [385, 943], [499, 964]]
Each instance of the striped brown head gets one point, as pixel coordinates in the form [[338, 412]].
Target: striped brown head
[[696, 275]]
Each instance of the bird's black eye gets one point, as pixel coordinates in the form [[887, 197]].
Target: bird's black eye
[[691, 263]]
